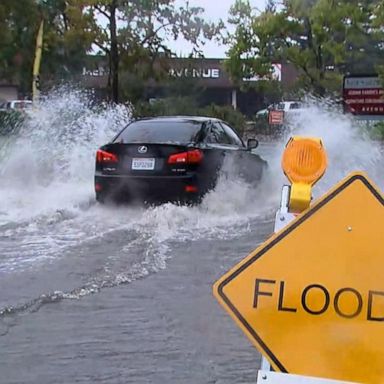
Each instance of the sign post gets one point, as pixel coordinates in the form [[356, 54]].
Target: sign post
[[311, 298]]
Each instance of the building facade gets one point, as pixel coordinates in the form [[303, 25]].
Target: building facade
[[8, 92], [207, 75]]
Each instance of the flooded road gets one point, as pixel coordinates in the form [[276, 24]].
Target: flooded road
[[165, 327], [131, 305], [93, 293]]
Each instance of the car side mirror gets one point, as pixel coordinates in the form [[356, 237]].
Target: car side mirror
[[252, 144]]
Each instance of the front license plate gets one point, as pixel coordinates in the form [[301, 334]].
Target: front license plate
[[143, 164]]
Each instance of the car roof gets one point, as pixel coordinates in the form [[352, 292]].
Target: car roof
[[175, 119]]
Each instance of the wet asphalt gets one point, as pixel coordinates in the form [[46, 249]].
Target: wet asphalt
[[165, 327]]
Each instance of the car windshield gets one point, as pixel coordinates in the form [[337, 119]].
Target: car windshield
[[185, 131]]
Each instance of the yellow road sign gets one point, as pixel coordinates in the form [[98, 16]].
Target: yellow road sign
[[311, 298]]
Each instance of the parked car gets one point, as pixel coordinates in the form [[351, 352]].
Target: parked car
[[171, 159], [290, 107], [19, 105], [263, 113]]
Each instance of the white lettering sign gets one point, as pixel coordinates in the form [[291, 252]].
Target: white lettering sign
[[95, 72], [204, 73]]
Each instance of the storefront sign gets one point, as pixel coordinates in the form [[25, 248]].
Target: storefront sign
[[203, 73], [363, 95]]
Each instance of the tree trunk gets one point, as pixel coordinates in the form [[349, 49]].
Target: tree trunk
[[316, 82], [114, 54], [321, 67]]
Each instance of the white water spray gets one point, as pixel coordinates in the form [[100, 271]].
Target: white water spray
[[49, 165], [348, 146], [47, 203]]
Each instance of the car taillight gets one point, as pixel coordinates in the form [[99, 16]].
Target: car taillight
[[191, 188], [190, 157], [106, 157]]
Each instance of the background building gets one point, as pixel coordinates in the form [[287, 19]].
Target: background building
[[205, 77], [8, 91]]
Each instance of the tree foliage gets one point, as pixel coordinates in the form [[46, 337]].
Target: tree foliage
[[68, 37], [137, 32], [17, 21], [132, 34], [322, 38]]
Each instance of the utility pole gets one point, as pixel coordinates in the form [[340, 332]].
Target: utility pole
[[37, 62]]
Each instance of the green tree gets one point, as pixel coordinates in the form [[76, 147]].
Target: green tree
[[378, 25], [69, 32], [68, 35], [132, 35], [321, 38], [17, 36], [138, 31]]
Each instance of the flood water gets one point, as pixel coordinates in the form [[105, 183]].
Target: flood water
[[103, 294]]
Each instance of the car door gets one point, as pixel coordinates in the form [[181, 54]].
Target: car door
[[246, 163], [217, 146]]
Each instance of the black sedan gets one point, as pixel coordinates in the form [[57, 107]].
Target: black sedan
[[171, 159]]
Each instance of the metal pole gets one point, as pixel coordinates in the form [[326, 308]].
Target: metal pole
[[37, 62]]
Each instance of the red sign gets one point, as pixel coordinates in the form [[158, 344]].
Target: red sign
[[363, 95], [276, 117]]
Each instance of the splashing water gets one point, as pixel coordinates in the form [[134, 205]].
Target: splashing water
[[47, 201], [48, 213], [347, 145], [50, 163]]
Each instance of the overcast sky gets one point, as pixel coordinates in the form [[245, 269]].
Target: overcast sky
[[214, 10]]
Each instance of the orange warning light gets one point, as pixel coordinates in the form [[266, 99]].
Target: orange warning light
[[304, 160]]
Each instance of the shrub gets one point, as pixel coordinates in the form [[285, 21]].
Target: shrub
[[171, 106]]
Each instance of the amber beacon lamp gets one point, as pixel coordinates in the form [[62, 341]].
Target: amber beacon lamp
[[304, 163]]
